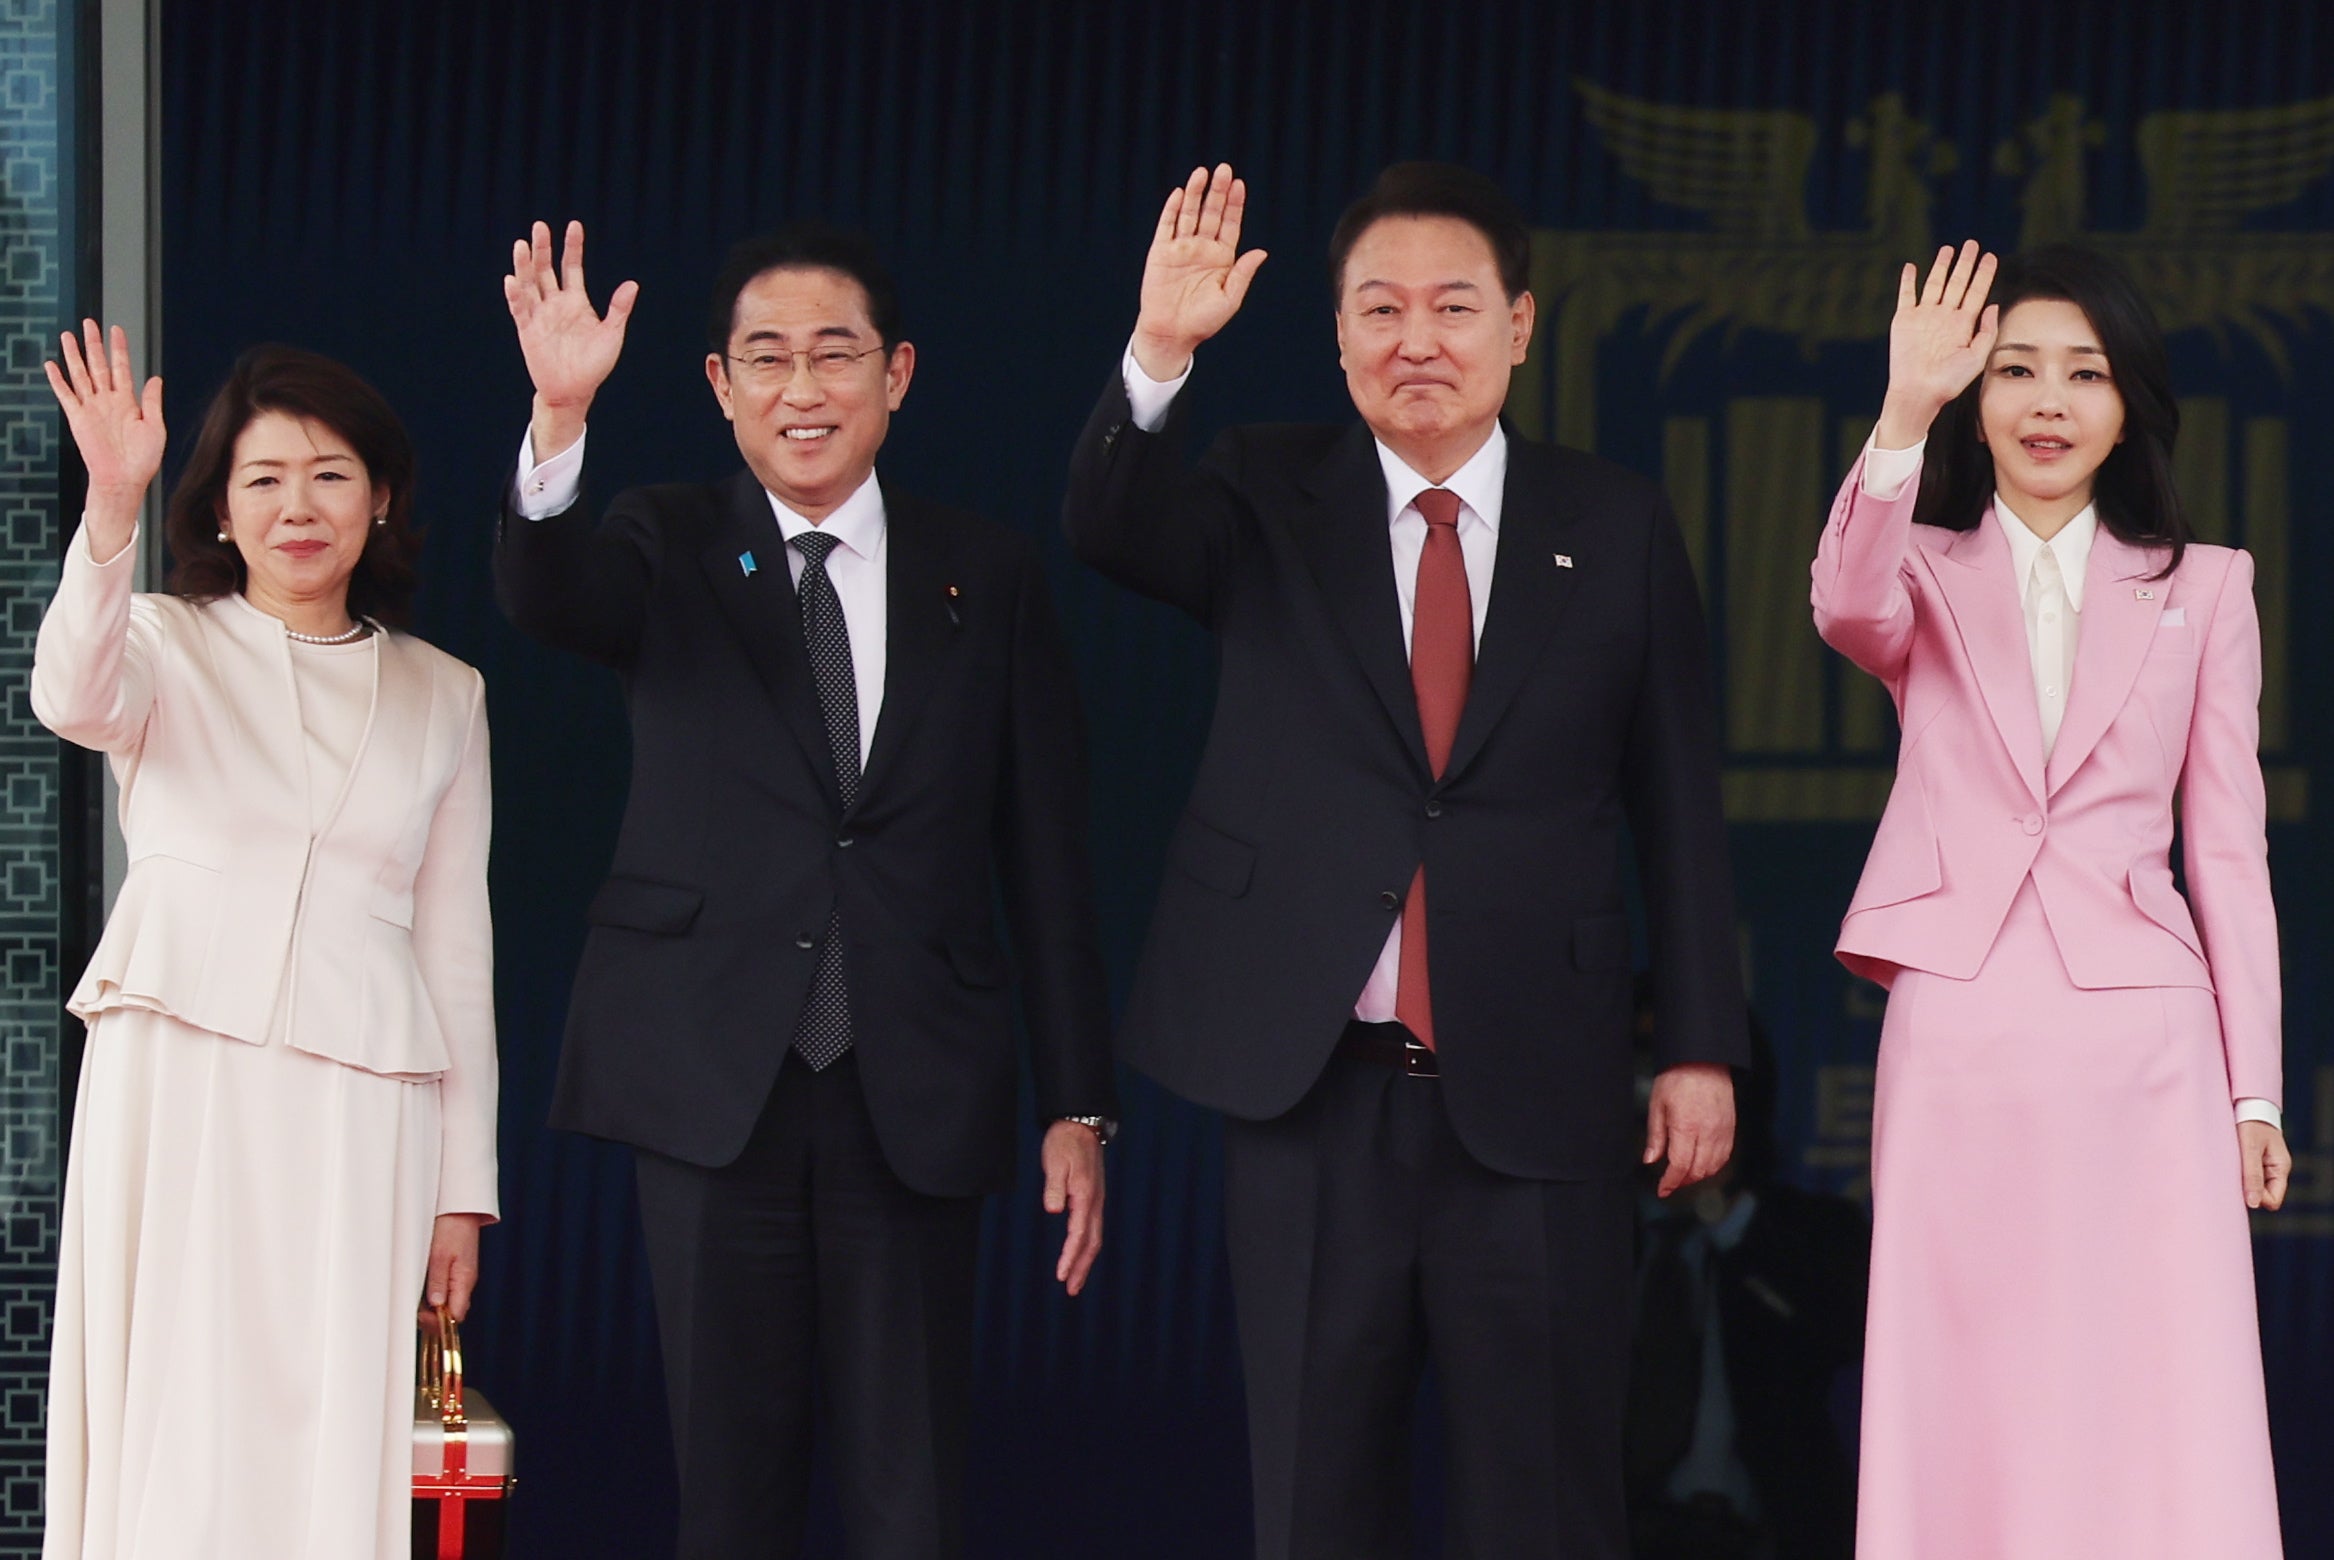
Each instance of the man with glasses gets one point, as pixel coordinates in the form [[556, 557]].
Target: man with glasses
[[854, 730]]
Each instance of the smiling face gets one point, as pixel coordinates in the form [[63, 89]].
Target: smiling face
[[1428, 338], [300, 507], [810, 440], [2049, 411]]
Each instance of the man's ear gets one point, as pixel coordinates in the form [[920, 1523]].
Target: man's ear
[[717, 375], [1521, 314], [898, 369]]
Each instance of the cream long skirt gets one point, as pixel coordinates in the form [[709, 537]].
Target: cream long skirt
[[245, 1234]]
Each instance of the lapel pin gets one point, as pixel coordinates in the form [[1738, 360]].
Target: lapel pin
[[953, 620], [745, 563], [1564, 560], [2142, 593]]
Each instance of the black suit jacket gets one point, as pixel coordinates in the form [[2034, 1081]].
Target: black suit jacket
[[1591, 709], [735, 845]]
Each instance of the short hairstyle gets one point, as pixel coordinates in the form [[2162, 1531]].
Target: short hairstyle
[[298, 383], [804, 246], [2133, 490], [1435, 189]]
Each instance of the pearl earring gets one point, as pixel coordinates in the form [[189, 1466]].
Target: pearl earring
[[222, 536]]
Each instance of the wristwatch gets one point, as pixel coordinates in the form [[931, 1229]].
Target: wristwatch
[[1103, 1128]]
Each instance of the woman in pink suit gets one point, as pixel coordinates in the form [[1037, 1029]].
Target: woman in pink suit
[[285, 1130], [2079, 1075]]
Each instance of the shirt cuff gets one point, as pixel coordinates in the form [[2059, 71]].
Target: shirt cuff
[[540, 492], [1150, 398], [127, 558], [2252, 1109], [1887, 471]]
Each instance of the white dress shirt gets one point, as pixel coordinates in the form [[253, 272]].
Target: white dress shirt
[[1481, 485], [857, 566], [2050, 577]]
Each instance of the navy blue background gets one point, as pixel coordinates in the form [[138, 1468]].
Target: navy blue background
[[350, 177]]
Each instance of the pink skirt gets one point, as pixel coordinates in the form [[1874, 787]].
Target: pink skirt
[[2064, 1358]]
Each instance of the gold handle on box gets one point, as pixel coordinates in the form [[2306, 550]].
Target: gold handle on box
[[441, 1369]]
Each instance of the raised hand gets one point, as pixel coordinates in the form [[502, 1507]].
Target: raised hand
[[1938, 342], [1195, 277], [116, 426], [569, 347]]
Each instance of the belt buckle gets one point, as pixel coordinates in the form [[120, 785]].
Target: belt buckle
[[1418, 1061]]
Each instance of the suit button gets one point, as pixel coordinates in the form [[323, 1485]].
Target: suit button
[[1390, 900], [2031, 823], [806, 941], [1434, 809]]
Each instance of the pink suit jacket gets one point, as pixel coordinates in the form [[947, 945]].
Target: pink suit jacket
[[370, 943], [2165, 698]]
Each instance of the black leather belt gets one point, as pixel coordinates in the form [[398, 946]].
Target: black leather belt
[[1387, 1045]]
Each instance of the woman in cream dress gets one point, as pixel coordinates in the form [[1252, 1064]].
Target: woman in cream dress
[[285, 1134]]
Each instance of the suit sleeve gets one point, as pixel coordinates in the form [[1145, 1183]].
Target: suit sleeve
[[575, 586], [1678, 821], [2225, 841], [1863, 605], [93, 665], [1144, 517], [1041, 828], [453, 943]]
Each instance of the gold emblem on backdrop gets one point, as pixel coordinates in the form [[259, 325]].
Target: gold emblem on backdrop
[[1808, 740]]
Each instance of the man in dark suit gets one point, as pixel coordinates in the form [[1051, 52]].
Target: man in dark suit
[[1453, 664], [853, 724]]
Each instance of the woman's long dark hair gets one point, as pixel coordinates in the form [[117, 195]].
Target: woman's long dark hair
[[297, 383], [2133, 489]]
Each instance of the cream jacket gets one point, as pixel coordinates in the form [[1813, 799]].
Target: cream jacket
[[369, 943]]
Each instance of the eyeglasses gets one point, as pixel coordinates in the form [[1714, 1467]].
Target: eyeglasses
[[775, 365]]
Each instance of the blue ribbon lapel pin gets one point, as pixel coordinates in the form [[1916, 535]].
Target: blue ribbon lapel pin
[[745, 563]]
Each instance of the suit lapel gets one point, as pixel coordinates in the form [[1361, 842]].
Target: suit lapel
[[1529, 591], [761, 606], [1981, 592], [2117, 626], [917, 603], [1344, 541]]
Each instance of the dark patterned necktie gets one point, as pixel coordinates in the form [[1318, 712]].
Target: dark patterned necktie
[[823, 1033], [1442, 665]]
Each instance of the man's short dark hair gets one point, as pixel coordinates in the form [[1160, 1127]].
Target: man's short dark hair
[[805, 246], [1435, 189]]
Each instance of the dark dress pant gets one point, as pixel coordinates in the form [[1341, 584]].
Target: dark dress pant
[[807, 1266], [1365, 1241]]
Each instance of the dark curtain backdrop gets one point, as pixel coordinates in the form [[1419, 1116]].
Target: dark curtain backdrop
[[1725, 190]]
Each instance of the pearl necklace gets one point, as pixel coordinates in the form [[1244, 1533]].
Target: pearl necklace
[[354, 632]]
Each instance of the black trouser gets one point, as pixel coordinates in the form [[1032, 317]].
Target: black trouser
[[808, 1259], [1365, 1240]]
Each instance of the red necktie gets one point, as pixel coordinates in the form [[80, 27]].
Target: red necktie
[[1442, 664]]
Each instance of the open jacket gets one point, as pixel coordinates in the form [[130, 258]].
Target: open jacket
[[2165, 700], [369, 943]]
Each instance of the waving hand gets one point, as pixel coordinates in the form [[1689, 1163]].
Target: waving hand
[[569, 347], [1938, 341], [1195, 277], [116, 426]]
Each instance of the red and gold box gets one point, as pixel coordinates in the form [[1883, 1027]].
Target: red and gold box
[[462, 1456]]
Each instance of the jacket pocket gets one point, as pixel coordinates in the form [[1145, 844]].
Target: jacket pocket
[[1904, 862], [1600, 943], [644, 905], [2155, 897], [1210, 856]]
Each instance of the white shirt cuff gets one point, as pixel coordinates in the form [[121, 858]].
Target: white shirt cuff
[[1150, 398], [551, 488], [1887, 471], [126, 558], [2251, 1109]]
